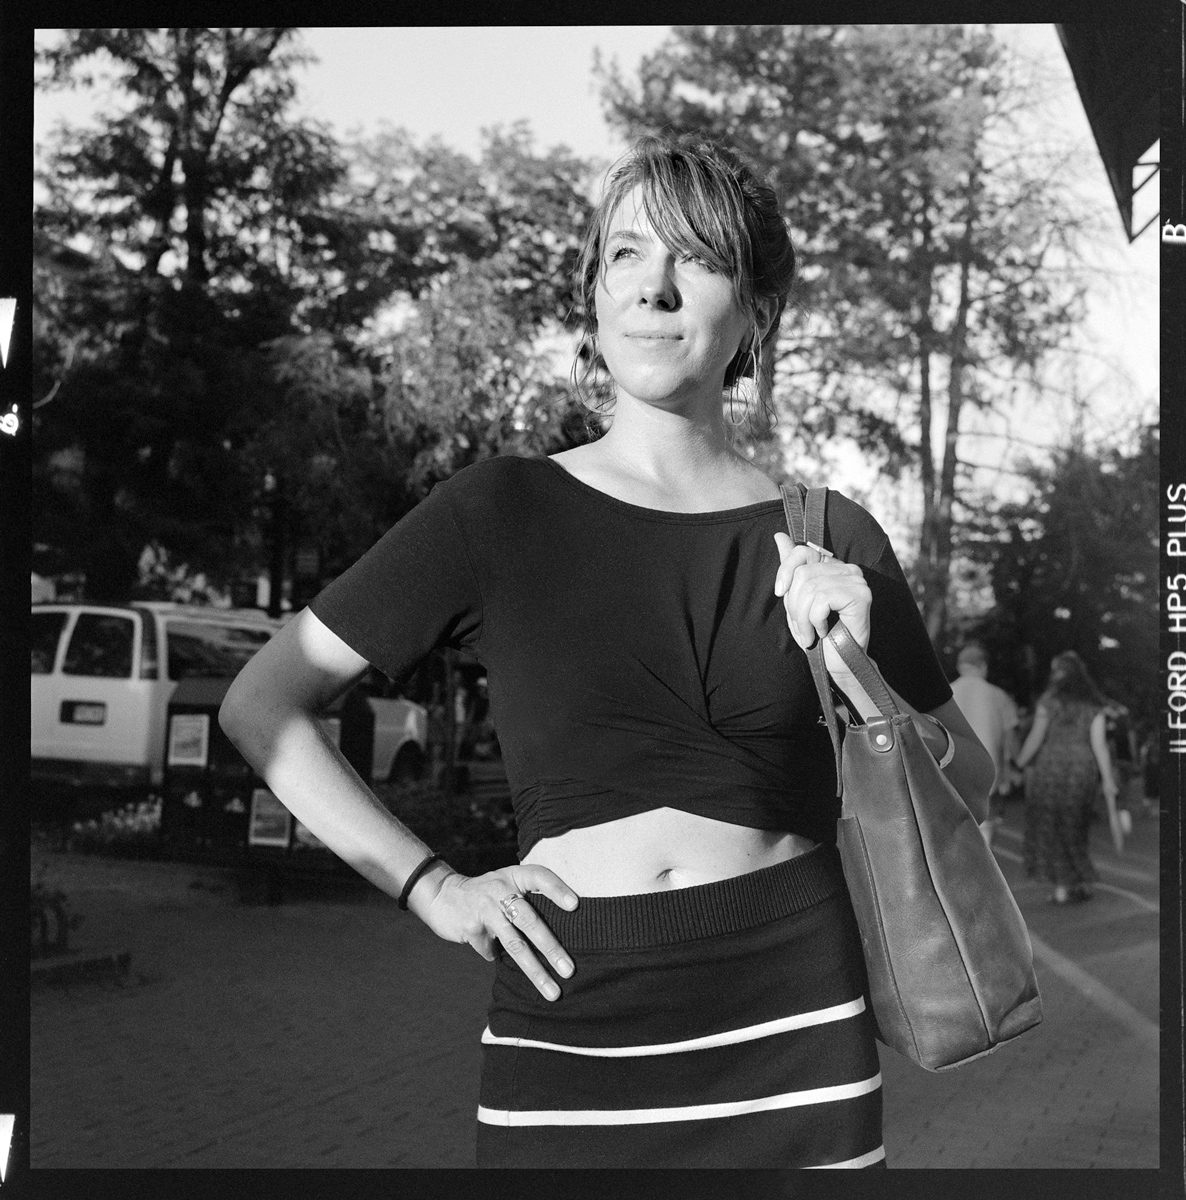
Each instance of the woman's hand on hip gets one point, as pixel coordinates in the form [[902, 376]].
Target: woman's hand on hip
[[481, 910], [812, 587]]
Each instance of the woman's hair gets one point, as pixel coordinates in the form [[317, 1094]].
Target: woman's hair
[[1069, 680], [701, 198]]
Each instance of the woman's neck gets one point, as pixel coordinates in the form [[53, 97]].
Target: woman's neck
[[661, 446], [665, 460]]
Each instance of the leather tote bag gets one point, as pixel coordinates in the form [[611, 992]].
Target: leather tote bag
[[947, 954]]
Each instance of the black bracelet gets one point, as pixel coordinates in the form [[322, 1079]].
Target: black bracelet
[[414, 878]]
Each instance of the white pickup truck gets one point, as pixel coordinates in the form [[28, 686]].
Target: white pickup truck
[[401, 739], [101, 676]]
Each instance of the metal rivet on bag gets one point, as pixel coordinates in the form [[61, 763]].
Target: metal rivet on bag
[[881, 739]]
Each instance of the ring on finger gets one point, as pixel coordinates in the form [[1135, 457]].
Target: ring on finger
[[820, 550], [510, 906]]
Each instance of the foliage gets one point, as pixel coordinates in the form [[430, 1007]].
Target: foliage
[[1075, 567], [221, 363], [154, 180], [515, 208], [127, 449], [472, 370], [322, 456], [927, 250], [163, 259], [462, 342]]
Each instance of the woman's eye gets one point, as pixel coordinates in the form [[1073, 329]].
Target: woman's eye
[[621, 252], [698, 261]]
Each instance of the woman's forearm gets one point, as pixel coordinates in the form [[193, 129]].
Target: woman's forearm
[[1031, 745], [313, 780], [1099, 747]]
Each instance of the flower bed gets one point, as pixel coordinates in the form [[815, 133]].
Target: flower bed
[[133, 829]]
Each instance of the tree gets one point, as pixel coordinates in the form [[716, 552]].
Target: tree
[[1075, 567], [149, 181], [253, 339], [929, 253], [201, 222], [466, 383], [475, 366]]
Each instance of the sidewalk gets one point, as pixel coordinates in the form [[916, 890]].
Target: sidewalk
[[1081, 1090], [343, 1034]]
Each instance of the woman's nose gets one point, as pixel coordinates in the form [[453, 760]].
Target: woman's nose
[[657, 287]]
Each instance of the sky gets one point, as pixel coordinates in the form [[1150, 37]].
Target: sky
[[453, 81]]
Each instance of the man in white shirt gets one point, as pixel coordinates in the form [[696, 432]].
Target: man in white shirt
[[991, 713]]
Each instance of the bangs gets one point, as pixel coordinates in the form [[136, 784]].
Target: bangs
[[692, 211]]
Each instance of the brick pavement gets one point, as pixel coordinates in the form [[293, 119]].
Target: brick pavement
[[1081, 1090], [342, 1033], [252, 1036]]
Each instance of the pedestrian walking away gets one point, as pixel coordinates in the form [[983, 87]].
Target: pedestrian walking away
[[1066, 757], [678, 981], [993, 716]]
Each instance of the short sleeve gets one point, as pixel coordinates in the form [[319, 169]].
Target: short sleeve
[[898, 640], [412, 592]]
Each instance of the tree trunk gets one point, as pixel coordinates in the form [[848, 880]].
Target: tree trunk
[[944, 514], [926, 467]]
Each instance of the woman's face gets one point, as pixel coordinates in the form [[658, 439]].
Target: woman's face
[[668, 325]]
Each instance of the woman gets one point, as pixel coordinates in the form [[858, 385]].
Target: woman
[[678, 982], [1068, 749]]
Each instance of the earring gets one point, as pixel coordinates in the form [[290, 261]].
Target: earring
[[754, 350], [599, 405]]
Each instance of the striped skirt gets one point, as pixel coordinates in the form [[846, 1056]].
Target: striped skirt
[[722, 1025]]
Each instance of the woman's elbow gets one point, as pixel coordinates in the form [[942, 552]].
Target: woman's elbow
[[234, 714], [248, 709]]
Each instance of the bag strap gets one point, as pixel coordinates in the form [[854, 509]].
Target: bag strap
[[808, 526]]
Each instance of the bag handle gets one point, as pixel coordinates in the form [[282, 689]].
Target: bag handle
[[808, 526]]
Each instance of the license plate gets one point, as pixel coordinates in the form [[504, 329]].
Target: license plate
[[75, 712]]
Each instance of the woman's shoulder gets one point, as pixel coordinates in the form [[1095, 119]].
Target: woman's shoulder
[[855, 533], [493, 478], [493, 490], [498, 468]]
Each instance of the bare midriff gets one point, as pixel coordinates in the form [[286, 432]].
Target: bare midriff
[[659, 850]]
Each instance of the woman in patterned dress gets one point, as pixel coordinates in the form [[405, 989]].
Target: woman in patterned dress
[[1068, 749]]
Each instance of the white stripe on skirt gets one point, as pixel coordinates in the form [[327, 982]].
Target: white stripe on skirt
[[690, 1112], [863, 1160], [730, 1037]]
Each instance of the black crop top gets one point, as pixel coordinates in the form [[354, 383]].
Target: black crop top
[[636, 659]]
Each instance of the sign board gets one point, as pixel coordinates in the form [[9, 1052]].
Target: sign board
[[271, 822], [189, 739]]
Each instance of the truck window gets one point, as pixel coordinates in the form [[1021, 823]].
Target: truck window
[[100, 647], [45, 630], [197, 648]]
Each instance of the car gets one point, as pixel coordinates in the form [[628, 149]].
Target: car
[[401, 731], [101, 676]]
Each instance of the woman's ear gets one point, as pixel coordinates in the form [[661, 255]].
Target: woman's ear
[[768, 311]]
